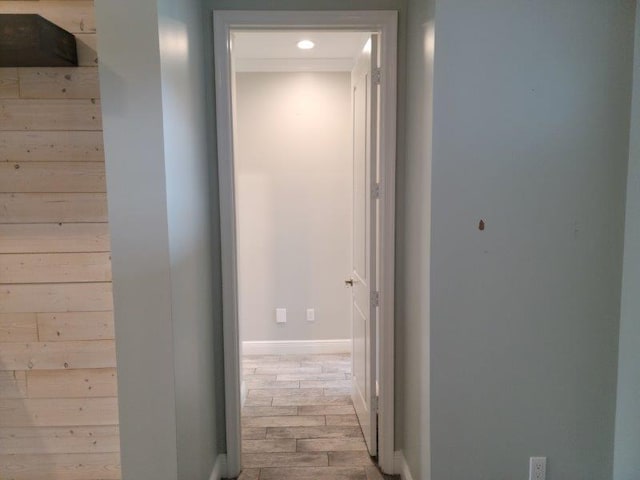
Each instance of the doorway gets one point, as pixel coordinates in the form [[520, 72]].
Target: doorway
[[264, 181]]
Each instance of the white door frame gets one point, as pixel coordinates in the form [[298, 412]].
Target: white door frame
[[385, 24]]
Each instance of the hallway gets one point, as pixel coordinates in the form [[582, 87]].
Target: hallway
[[298, 421]]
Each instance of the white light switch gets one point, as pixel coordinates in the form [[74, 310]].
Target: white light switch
[[281, 315], [311, 315]]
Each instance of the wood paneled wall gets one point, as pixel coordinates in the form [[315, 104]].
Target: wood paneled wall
[[58, 398]]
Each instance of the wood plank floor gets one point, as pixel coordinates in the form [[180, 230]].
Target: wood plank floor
[[298, 421]]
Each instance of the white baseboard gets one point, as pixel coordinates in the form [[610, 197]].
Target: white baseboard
[[296, 347], [220, 468], [400, 466]]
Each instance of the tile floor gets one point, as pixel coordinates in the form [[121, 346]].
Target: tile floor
[[298, 421]]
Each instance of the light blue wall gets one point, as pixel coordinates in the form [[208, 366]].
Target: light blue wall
[[164, 238], [131, 95], [413, 246], [627, 451], [531, 123], [195, 294], [515, 327]]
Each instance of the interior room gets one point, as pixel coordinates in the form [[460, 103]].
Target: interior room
[[293, 169], [294, 179], [507, 197]]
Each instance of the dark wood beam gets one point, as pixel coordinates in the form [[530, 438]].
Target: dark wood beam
[[28, 40]]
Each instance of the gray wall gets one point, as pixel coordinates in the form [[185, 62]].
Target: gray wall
[[153, 94], [627, 447], [195, 301], [293, 180], [531, 122]]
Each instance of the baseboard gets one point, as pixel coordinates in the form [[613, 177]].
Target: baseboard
[[220, 467], [400, 466], [296, 347]]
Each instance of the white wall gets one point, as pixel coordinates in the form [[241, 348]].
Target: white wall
[[293, 177], [166, 292], [627, 447], [531, 124]]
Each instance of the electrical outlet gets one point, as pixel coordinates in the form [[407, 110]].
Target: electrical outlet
[[281, 315], [537, 468], [311, 315]]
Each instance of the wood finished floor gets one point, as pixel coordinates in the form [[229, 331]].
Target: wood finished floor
[[298, 421]]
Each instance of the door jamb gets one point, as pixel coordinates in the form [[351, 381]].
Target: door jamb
[[385, 23]]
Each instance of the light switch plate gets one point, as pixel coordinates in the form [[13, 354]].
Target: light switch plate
[[281, 315], [311, 315]]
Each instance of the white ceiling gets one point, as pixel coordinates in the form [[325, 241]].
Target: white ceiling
[[278, 51]]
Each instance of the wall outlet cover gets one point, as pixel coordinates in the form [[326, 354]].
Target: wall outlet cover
[[311, 315], [281, 315], [537, 468]]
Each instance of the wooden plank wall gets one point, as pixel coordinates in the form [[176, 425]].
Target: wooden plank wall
[[58, 398]]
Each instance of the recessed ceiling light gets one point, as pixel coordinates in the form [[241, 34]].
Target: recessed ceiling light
[[306, 44]]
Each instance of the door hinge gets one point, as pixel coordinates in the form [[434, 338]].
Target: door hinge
[[376, 406], [377, 76], [375, 191], [375, 299]]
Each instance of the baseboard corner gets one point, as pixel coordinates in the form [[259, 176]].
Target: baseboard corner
[[219, 468], [400, 466]]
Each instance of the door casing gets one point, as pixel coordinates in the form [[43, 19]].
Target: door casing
[[384, 23]]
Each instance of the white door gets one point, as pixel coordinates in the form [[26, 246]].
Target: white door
[[363, 278]]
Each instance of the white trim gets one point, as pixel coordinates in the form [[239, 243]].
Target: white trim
[[219, 469], [386, 245], [400, 466], [224, 120], [296, 347], [293, 64], [384, 23]]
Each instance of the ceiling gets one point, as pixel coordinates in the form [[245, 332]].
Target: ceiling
[[277, 51]]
